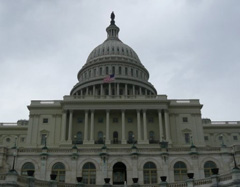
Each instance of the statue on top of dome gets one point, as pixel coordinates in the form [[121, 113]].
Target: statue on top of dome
[[112, 18]]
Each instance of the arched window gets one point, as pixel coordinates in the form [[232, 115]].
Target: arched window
[[59, 170], [180, 171], [79, 137], [150, 173], [208, 166], [89, 173], [27, 167]]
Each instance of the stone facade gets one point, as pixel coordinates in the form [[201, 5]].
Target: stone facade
[[115, 125]]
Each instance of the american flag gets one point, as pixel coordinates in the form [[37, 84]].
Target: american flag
[[109, 78]]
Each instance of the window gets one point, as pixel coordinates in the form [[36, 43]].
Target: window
[[79, 137], [100, 120], [235, 138], [220, 138], [150, 120], [208, 166], [151, 137], [150, 173], [80, 120], [115, 120], [115, 137], [100, 138], [130, 120], [43, 138], [185, 119], [137, 73], [59, 170], [180, 171], [100, 71], [113, 70], [131, 72], [106, 70], [8, 139], [120, 70], [206, 138], [130, 137], [27, 167], [45, 120], [187, 138], [22, 139], [89, 173], [94, 72], [126, 70]]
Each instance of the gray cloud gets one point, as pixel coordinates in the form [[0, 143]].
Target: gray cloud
[[191, 49]]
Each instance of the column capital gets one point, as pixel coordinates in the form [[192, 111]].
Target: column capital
[[107, 110], [92, 110], [86, 110], [123, 110], [166, 111], [138, 110]]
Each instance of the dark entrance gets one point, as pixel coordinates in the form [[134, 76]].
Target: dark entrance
[[119, 173]]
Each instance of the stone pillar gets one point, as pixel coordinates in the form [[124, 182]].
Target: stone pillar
[[109, 89], [160, 125], [107, 127], [123, 128], [117, 89], [63, 133], [81, 92], [140, 90], [94, 90], [101, 89], [70, 127], [92, 128], [87, 91], [30, 127], [133, 90], [145, 127], [86, 127], [167, 127], [126, 90], [139, 126]]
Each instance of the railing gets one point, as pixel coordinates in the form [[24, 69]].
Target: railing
[[8, 124], [202, 181], [179, 184], [159, 97]]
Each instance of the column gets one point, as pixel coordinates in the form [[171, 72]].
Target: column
[[70, 127], [86, 127], [166, 117], [125, 89], [117, 89], [101, 90], [160, 125], [144, 126], [123, 128], [107, 127], [92, 127], [140, 90], [30, 127], [133, 90], [63, 134], [109, 89], [87, 91], [139, 126], [94, 90], [81, 92]]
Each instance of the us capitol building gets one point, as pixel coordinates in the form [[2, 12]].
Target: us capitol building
[[114, 126]]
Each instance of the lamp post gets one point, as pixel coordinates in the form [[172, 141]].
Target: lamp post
[[234, 160]]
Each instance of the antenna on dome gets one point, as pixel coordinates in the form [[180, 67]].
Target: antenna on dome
[[112, 18]]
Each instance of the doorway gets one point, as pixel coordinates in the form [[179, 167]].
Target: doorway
[[119, 173]]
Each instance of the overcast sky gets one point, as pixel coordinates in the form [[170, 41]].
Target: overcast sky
[[191, 49]]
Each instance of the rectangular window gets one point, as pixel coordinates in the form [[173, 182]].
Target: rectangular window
[[235, 138], [185, 119], [137, 73], [150, 120], [115, 120], [100, 120], [120, 70], [22, 139], [206, 138], [187, 138], [45, 120], [113, 70], [43, 138], [80, 120], [100, 71], [126, 71], [131, 72], [106, 70], [130, 120], [94, 72]]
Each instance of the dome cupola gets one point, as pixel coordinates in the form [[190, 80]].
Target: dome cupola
[[117, 60]]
